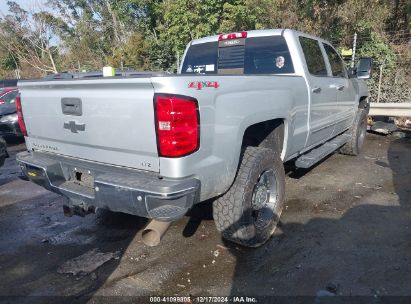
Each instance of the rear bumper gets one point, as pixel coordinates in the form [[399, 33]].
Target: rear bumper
[[118, 189]]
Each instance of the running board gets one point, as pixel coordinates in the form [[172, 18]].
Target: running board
[[317, 154]]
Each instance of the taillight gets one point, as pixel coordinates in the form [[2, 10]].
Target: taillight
[[177, 125], [229, 36], [20, 117]]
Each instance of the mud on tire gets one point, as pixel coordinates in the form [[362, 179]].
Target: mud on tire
[[249, 211], [357, 133]]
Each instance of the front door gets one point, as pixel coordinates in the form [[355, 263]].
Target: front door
[[322, 95], [345, 92]]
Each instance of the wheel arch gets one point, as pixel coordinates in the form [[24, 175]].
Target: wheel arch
[[363, 102], [267, 134]]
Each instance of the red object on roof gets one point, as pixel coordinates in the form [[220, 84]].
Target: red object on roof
[[230, 36]]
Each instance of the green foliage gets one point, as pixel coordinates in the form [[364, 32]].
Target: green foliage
[[8, 62], [372, 44], [238, 17], [150, 34], [179, 22]]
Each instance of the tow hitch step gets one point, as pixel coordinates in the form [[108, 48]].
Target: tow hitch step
[[317, 154]]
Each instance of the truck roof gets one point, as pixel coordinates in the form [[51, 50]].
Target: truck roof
[[253, 33], [258, 33]]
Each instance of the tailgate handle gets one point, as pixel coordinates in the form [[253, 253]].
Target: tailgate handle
[[71, 106]]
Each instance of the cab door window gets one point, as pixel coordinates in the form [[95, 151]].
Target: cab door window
[[313, 56], [336, 64]]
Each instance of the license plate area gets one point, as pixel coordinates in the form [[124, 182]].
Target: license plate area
[[82, 177]]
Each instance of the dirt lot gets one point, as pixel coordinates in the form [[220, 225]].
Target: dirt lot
[[346, 230]]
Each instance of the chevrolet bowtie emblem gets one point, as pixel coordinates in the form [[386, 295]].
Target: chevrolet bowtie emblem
[[74, 127]]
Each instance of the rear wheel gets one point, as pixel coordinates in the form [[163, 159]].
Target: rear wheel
[[357, 133], [249, 211]]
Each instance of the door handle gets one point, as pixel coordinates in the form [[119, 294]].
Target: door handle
[[316, 90], [338, 87], [71, 106]]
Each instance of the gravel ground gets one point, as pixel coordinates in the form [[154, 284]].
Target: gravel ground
[[345, 231]]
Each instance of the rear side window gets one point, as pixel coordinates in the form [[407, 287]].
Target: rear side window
[[267, 55], [337, 65], [201, 59], [313, 56]]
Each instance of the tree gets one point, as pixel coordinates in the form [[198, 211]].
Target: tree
[[176, 23], [149, 34], [9, 65], [28, 37]]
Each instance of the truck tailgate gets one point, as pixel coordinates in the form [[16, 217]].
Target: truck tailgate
[[115, 124]]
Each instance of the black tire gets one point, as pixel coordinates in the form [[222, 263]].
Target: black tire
[[357, 134], [3, 151], [243, 215]]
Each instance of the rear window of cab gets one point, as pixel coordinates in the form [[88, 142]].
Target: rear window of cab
[[258, 55]]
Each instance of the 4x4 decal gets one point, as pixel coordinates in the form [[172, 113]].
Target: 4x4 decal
[[203, 84]]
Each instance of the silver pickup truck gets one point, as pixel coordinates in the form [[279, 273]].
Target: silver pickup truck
[[154, 145]]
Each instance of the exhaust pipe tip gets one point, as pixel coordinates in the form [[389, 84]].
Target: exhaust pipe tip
[[154, 232], [151, 237]]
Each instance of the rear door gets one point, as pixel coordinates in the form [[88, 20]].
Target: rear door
[[104, 120], [344, 89], [263, 56], [322, 95]]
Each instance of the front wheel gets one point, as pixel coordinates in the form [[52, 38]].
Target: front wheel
[[249, 211], [357, 134]]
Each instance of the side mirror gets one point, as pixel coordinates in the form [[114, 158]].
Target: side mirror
[[364, 68], [2, 101]]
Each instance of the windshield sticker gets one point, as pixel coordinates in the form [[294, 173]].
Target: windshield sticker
[[279, 62], [209, 68], [189, 69], [203, 84], [199, 68]]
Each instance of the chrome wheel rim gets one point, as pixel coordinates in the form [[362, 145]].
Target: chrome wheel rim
[[264, 200], [361, 136]]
